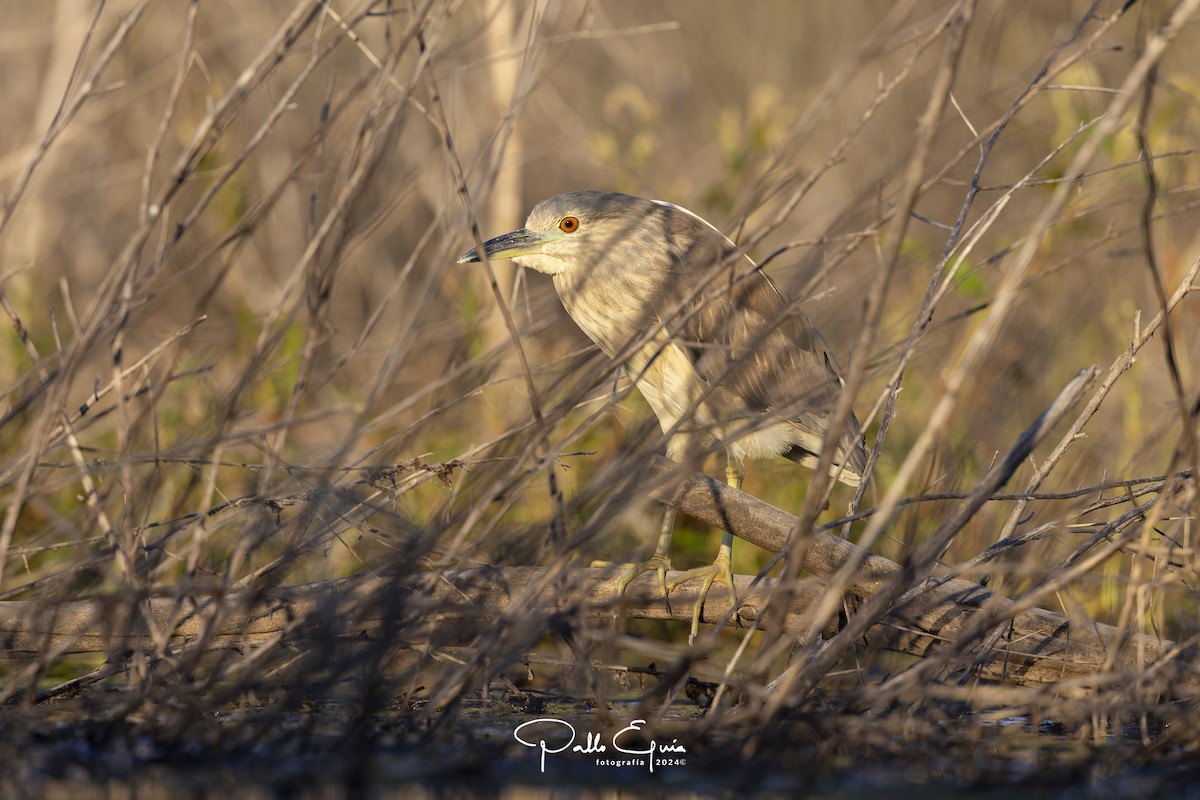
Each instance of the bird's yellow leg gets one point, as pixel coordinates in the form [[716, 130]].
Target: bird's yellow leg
[[721, 568], [660, 562]]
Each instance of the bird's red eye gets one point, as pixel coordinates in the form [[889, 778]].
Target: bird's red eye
[[568, 224]]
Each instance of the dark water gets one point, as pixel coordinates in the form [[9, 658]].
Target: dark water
[[496, 751]]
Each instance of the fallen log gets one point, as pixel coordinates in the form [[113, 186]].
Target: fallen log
[[454, 607], [1038, 647]]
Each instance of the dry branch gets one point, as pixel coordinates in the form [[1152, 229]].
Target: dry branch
[[415, 607], [1038, 646]]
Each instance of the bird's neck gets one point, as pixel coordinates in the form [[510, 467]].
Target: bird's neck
[[612, 306]]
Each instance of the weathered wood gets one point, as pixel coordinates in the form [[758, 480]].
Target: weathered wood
[[449, 607], [455, 606], [1041, 646]]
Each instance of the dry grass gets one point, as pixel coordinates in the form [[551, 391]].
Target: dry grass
[[242, 357]]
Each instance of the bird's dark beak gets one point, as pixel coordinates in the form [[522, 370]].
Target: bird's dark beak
[[511, 245]]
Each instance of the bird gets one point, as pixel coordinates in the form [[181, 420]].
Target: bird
[[720, 354]]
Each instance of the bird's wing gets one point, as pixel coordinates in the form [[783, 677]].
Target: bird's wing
[[742, 336], [745, 339]]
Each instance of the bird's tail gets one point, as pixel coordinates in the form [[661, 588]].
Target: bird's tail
[[849, 463]]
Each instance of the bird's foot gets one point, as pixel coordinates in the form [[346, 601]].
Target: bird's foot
[[718, 570], [658, 562]]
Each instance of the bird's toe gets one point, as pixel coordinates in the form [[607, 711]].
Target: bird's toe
[[718, 570], [657, 563]]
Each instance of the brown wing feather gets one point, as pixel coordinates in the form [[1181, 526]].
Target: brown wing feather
[[741, 335]]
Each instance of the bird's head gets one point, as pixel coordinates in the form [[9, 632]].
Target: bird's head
[[573, 231]]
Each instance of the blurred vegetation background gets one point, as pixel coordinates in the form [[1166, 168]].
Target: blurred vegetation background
[[242, 355]]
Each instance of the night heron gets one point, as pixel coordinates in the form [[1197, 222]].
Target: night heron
[[717, 351]]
